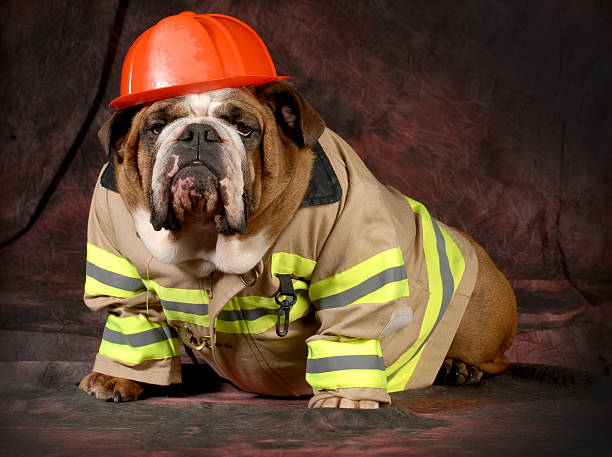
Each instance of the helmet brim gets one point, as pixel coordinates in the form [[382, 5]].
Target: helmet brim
[[138, 98]]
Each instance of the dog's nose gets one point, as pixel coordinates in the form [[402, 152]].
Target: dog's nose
[[199, 133]]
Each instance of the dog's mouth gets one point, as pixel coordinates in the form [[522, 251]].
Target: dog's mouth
[[194, 194], [194, 191]]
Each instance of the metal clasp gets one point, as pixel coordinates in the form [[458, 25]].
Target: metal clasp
[[249, 281], [250, 277], [285, 290], [197, 343]]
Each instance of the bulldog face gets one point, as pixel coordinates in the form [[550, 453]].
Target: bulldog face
[[199, 145], [204, 175]]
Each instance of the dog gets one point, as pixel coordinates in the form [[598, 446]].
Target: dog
[[235, 221]]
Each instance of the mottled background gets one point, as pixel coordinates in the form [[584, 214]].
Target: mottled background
[[496, 114]]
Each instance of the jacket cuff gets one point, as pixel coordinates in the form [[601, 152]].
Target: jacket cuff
[[160, 372], [353, 393], [345, 364]]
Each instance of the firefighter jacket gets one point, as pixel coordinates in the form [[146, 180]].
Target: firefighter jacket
[[380, 289]]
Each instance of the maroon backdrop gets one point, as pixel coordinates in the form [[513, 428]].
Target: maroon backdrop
[[494, 114]]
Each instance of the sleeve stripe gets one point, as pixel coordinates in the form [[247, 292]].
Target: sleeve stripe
[[95, 288], [151, 336], [111, 262], [345, 362], [135, 340], [113, 279], [368, 286], [347, 279]]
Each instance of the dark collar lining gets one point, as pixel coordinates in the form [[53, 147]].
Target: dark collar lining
[[323, 188], [108, 176]]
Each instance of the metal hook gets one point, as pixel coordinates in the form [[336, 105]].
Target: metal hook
[[286, 291]]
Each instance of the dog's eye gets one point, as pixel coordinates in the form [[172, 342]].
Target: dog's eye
[[243, 129], [156, 128]]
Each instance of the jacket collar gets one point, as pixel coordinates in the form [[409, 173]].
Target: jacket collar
[[324, 187]]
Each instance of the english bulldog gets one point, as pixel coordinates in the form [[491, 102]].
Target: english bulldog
[[212, 180]]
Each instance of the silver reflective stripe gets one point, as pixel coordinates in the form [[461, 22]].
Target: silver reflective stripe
[[199, 309], [246, 314], [448, 286], [154, 335], [345, 362], [113, 279], [368, 286], [448, 283]]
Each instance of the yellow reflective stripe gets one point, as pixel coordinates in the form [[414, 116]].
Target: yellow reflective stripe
[[172, 315], [157, 351], [387, 293], [325, 348], [130, 324], [345, 364], [110, 275], [456, 260], [265, 308], [177, 295], [398, 382], [133, 327], [186, 305], [110, 262], [400, 372], [96, 288], [255, 302], [230, 326], [355, 275], [346, 379], [293, 264]]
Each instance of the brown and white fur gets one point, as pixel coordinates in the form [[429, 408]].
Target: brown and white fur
[[224, 215]]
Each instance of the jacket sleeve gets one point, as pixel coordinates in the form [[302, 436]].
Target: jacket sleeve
[[137, 343], [358, 283]]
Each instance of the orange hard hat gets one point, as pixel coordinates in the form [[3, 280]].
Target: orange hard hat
[[191, 53]]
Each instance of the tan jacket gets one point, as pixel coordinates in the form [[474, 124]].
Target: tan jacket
[[381, 288]]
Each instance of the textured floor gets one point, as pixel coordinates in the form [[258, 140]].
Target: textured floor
[[519, 413], [494, 114]]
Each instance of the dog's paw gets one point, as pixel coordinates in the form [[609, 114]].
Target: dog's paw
[[107, 387], [454, 372], [339, 402]]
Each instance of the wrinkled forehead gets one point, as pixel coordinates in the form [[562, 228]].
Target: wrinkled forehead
[[222, 103]]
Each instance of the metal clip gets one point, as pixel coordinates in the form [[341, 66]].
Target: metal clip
[[285, 290], [254, 275], [197, 343]]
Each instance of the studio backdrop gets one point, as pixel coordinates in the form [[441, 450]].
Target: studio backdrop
[[494, 114]]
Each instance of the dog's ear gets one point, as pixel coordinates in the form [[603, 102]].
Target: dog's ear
[[298, 119], [115, 129]]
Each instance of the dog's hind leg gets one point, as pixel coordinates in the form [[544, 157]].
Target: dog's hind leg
[[454, 372], [488, 325]]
